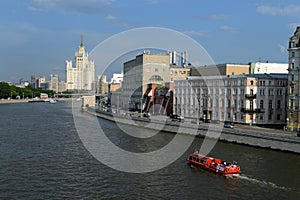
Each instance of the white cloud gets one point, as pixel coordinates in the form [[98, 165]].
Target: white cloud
[[282, 48], [277, 10], [228, 28], [195, 33], [153, 1], [117, 21], [78, 6], [110, 17], [213, 17]]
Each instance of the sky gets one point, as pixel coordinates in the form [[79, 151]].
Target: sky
[[37, 36]]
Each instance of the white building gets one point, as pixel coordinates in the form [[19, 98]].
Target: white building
[[266, 68], [259, 99], [80, 77], [117, 78], [53, 83], [61, 86], [38, 82]]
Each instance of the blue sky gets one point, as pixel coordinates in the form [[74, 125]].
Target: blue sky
[[37, 36]]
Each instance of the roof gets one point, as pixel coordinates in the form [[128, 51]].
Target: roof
[[270, 76]]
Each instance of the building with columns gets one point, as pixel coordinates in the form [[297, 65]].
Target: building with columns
[[258, 99], [81, 76], [293, 114]]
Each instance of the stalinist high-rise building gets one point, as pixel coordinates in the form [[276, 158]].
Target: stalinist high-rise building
[[81, 76]]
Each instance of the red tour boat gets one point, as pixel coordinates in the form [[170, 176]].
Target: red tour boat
[[213, 164]]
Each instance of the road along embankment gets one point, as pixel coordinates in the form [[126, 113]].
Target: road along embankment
[[247, 135]]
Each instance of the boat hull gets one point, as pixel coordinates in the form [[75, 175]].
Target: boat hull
[[213, 164]]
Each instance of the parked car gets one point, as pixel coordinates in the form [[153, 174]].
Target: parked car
[[228, 124], [177, 118], [146, 115]]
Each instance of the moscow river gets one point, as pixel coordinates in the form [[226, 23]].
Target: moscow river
[[42, 157]]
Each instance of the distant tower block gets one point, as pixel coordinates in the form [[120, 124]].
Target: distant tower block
[[173, 58], [184, 59]]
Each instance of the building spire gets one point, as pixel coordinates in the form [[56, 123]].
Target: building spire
[[81, 40]]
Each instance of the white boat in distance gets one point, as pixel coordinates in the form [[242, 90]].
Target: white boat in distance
[[52, 101]]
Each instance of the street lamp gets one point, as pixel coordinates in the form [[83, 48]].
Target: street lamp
[[118, 104], [198, 98], [141, 105]]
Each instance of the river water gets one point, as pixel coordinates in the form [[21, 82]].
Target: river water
[[42, 157]]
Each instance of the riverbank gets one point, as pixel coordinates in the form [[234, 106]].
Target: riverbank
[[241, 134], [5, 101], [13, 101]]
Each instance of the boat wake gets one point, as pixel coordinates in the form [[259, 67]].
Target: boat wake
[[260, 182]]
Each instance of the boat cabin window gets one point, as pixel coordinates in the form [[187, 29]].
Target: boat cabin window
[[202, 161], [190, 158], [197, 160]]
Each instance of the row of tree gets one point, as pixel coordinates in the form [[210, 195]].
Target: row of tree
[[11, 91]]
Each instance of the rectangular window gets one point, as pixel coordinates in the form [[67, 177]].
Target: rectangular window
[[292, 103], [293, 54], [270, 117], [261, 104], [242, 91], [270, 104], [292, 89], [261, 117], [251, 105], [278, 104], [270, 92], [229, 91], [278, 117]]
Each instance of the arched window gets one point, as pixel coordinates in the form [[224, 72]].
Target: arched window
[[261, 104], [156, 78]]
